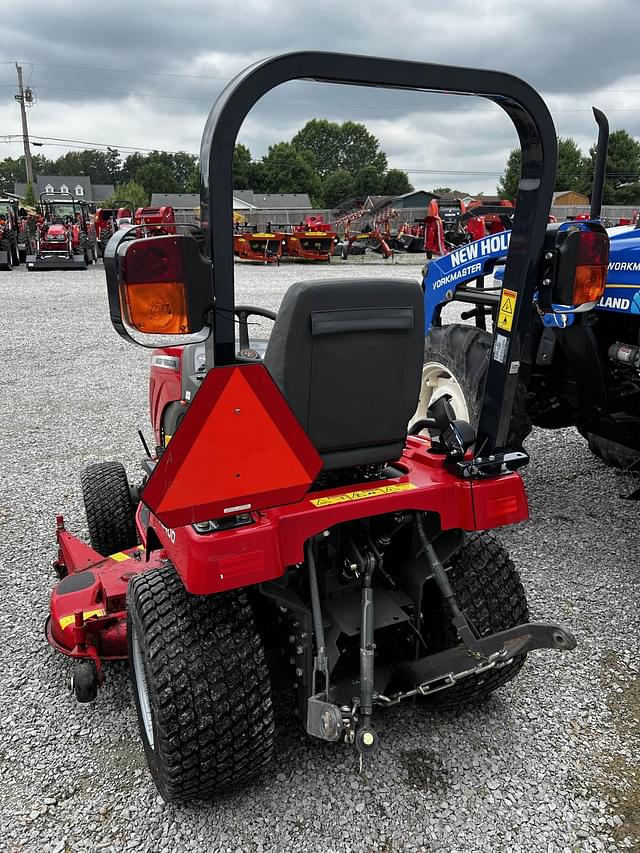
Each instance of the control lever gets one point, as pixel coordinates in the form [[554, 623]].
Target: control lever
[[454, 436]]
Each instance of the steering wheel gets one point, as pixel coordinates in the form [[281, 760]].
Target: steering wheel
[[243, 312]]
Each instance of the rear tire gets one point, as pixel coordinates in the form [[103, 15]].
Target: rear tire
[[83, 248], [456, 360], [613, 454], [5, 246], [489, 591], [109, 508], [200, 684]]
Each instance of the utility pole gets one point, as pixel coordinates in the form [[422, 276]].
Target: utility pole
[[20, 97]]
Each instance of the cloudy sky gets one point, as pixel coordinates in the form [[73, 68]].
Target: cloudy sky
[[142, 75]]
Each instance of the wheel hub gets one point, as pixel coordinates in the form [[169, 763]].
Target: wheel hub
[[437, 380], [142, 687]]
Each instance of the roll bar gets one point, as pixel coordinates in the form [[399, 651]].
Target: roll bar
[[537, 136]]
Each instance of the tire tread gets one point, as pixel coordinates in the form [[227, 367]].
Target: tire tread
[[208, 686]]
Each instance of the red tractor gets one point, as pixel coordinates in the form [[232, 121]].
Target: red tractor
[[107, 221], [65, 235], [288, 526], [9, 234]]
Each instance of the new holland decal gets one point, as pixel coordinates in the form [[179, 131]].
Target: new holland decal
[[361, 494]]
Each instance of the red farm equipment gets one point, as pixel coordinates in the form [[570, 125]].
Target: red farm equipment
[[108, 220], [288, 525], [9, 234], [64, 235], [312, 240], [264, 247], [375, 236], [157, 220]]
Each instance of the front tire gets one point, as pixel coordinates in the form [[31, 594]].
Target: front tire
[[489, 591], [109, 508], [613, 454], [200, 684], [456, 361], [5, 246]]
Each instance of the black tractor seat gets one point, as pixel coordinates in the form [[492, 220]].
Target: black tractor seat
[[347, 355]]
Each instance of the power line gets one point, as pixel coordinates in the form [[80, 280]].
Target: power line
[[268, 101], [139, 72]]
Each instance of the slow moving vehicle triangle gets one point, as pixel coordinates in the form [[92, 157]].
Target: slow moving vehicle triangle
[[239, 448]]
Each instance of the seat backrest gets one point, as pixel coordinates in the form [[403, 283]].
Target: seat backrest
[[347, 355]]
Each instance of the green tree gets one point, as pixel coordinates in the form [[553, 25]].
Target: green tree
[[570, 171], [508, 183], [622, 170], [396, 182], [573, 171], [156, 178], [337, 186], [162, 167], [12, 172], [129, 193], [103, 167], [360, 149], [287, 170], [442, 190], [368, 181], [323, 140], [131, 165], [333, 146], [242, 168], [192, 184]]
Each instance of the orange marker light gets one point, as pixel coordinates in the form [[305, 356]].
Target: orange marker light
[[152, 288], [591, 267], [156, 308]]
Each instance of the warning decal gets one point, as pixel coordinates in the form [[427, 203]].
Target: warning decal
[[361, 494], [507, 309]]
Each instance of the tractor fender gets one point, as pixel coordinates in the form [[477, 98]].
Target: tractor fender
[[583, 361]]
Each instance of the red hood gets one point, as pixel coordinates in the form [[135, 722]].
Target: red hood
[[55, 230]]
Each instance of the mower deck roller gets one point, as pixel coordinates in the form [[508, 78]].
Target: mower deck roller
[[289, 527]]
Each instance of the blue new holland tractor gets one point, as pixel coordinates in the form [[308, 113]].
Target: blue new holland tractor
[[576, 366]]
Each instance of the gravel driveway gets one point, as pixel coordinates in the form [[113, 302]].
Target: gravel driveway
[[551, 763]]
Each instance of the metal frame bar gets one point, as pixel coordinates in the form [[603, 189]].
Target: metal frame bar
[[537, 136], [602, 149]]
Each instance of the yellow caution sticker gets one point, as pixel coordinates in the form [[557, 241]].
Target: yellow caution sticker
[[119, 557], [65, 621], [507, 309], [361, 494]]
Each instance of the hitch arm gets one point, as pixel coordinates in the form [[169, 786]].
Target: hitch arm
[[498, 649]]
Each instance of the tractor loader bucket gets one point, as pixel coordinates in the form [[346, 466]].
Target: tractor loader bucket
[[77, 262]]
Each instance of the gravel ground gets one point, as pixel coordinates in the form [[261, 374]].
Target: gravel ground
[[549, 764]]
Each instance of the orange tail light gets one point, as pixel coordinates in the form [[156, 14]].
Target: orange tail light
[[153, 294], [591, 267]]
